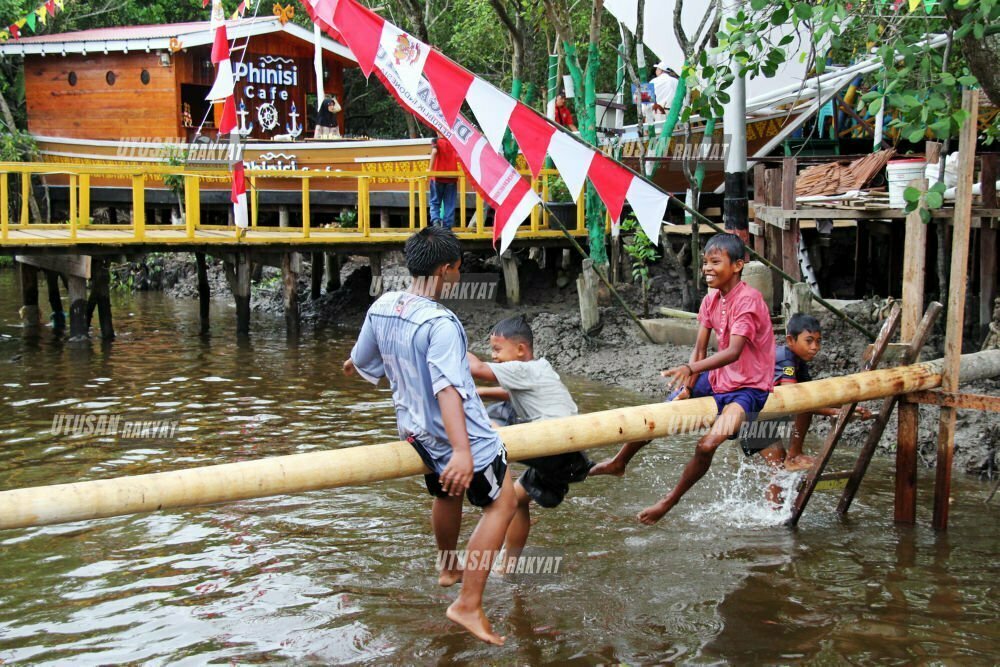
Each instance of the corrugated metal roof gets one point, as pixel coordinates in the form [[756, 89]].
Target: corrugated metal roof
[[157, 38], [120, 33]]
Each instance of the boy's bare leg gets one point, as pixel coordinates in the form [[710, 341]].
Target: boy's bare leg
[[520, 526], [467, 610], [796, 460], [446, 518], [617, 464], [774, 456], [729, 422]]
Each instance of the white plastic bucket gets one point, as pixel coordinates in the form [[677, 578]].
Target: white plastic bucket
[[900, 173]]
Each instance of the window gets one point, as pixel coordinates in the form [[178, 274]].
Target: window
[[72, 78], [144, 77], [110, 78]]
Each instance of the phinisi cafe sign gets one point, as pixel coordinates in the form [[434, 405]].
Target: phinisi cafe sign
[[270, 100]]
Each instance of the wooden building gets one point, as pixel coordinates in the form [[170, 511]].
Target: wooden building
[[150, 81]]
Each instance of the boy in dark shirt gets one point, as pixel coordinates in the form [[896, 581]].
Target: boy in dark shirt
[[803, 340]]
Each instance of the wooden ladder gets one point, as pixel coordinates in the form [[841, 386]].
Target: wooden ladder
[[816, 474]]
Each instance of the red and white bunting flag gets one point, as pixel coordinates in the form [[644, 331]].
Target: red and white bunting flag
[[360, 28], [572, 160], [533, 134], [50, 7], [220, 45], [492, 176], [239, 196], [228, 122], [225, 83], [15, 32], [612, 181], [649, 205], [408, 54], [493, 108], [450, 82]]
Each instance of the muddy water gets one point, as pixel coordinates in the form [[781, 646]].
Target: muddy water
[[347, 576]]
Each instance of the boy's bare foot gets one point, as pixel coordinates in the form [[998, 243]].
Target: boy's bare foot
[[608, 467], [654, 513], [800, 462], [475, 621], [449, 577]]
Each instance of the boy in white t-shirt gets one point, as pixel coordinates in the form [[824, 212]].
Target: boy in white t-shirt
[[530, 390]]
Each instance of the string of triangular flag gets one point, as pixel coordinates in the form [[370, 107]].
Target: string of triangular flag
[[369, 35], [222, 91], [40, 15]]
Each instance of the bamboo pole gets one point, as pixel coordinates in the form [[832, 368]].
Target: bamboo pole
[[296, 473]]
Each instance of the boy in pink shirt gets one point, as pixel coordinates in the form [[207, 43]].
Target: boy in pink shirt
[[738, 376]]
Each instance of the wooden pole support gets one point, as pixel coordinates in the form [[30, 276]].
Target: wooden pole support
[[956, 305], [510, 279], [204, 293], [77, 307], [297, 473], [290, 268]]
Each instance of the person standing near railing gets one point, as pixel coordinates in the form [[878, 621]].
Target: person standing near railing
[[444, 189]]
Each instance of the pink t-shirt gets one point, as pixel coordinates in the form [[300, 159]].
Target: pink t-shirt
[[742, 312]]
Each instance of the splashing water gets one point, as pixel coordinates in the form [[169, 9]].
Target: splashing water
[[744, 502]]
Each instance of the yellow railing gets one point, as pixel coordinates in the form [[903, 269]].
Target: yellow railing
[[78, 180]]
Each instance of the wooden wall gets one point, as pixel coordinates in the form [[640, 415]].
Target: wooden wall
[[92, 109]]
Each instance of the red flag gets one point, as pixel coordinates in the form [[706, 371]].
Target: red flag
[[450, 83], [360, 28], [50, 7], [15, 32], [533, 134], [220, 47], [612, 182], [239, 196], [228, 122], [204, 3]]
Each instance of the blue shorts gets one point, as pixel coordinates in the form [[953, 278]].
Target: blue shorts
[[751, 400]]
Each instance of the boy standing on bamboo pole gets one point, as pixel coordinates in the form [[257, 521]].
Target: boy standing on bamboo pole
[[529, 390], [738, 376], [420, 346]]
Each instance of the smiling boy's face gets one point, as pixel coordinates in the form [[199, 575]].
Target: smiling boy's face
[[504, 349], [718, 269], [806, 345]]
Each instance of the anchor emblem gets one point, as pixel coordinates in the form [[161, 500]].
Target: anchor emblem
[[244, 128], [294, 129]]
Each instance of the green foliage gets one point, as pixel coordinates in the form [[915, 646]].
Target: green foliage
[[919, 88], [642, 252], [933, 199], [347, 218], [558, 192]]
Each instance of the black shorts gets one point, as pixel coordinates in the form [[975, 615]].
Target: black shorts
[[485, 486], [547, 478]]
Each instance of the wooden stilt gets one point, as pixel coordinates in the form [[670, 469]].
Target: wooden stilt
[[988, 248], [332, 272], [384, 221], [759, 197], [204, 293], [77, 307], [904, 484], [914, 270], [510, 279], [586, 287], [55, 301], [238, 275], [100, 297], [790, 236], [316, 275], [30, 313], [956, 305], [283, 216], [290, 268], [833, 437], [375, 262]]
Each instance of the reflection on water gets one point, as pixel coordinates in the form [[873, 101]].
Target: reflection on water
[[347, 576]]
